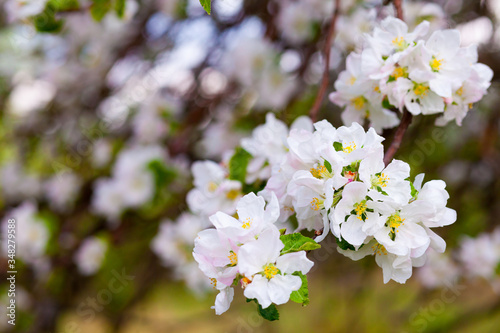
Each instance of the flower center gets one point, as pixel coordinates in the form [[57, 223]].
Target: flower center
[[460, 91], [270, 271], [320, 172], [420, 90], [247, 223], [233, 258], [213, 282], [380, 180], [352, 80], [232, 194], [399, 43], [212, 187], [349, 148], [379, 249], [394, 221], [360, 209], [436, 64], [376, 89], [399, 72], [359, 102], [317, 204]]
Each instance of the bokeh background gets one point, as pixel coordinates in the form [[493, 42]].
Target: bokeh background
[[91, 89]]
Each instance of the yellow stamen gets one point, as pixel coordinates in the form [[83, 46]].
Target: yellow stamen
[[360, 209], [349, 149], [381, 180], [376, 89], [460, 91], [352, 80], [233, 258], [436, 64], [399, 72], [270, 271], [213, 282], [399, 43], [359, 102], [212, 187], [232, 194], [320, 172], [317, 204], [420, 90], [395, 221], [379, 249], [247, 224]]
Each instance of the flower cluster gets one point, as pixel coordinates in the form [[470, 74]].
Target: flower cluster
[[174, 245], [248, 250], [132, 184], [399, 69], [480, 257], [336, 179]]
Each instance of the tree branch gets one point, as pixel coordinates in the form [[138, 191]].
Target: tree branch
[[324, 81], [407, 116]]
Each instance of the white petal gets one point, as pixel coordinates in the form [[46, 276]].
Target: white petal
[[293, 262]]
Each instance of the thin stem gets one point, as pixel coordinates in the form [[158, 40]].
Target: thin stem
[[324, 81], [399, 9], [407, 116], [398, 137]]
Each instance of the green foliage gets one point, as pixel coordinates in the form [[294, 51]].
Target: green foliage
[[64, 4], [206, 4], [162, 174], [238, 165], [46, 21], [120, 8], [297, 242], [302, 295], [328, 166], [270, 313], [343, 244], [338, 146], [99, 9], [386, 104]]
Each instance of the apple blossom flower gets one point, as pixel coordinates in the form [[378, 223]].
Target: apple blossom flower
[[271, 274]]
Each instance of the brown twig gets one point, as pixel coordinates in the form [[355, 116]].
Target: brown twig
[[398, 137], [324, 81], [407, 116], [399, 9]]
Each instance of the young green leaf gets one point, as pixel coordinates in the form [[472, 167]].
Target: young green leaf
[[338, 146], [270, 313], [343, 244], [297, 242], [206, 4], [302, 295], [238, 165]]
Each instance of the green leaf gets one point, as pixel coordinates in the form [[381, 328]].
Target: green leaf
[[206, 4], [161, 173], [270, 313], [99, 9], [328, 166], [238, 165], [344, 245], [297, 242], [386, 104], [414, 191], [302, 295], [120, 8], [64, 4], [282, 231], [338, 146], [46, 21]]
